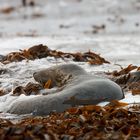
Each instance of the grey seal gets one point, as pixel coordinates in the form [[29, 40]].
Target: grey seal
[[77, 87]]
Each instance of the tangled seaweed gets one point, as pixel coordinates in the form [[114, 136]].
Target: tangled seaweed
[[29, 89], [42, 51], [128, 80], [88, 122]]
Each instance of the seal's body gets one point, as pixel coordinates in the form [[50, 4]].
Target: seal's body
[[79, 88]]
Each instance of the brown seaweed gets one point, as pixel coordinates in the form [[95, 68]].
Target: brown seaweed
[[42, 51], [88, 122]]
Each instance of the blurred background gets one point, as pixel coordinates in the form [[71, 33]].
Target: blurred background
[[69, 17]]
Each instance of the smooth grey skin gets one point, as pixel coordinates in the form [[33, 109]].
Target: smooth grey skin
[[83, 88]]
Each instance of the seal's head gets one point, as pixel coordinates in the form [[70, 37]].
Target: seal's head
[[58, 75], [53, 77], [43, 76]]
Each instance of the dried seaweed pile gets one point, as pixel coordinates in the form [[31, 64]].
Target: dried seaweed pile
[[127, 79], [42, 51], [29, 89], [83, 123]]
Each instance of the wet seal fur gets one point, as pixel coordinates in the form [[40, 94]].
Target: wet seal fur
[[78, 88]]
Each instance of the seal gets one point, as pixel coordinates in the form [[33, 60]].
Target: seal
[[77, 87], [59, 75]]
